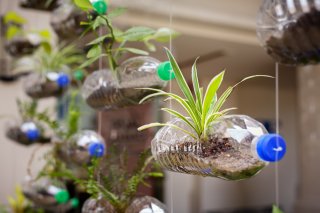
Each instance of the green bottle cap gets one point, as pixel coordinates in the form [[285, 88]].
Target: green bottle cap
[[62, 196], [74, 202], [78, 75], [165, 71], [100, 6]]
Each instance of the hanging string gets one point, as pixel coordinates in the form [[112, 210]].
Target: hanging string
[[277, 131], [170, 106]]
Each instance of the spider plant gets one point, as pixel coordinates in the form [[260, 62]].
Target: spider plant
[[201, 108]]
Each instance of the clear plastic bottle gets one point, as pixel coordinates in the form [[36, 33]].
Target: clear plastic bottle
[[146, 204], [26, 133], [51, 84], [289, 30], [46, 193], [103, 90], [98, 205], [237, 147], [82, 148], [65, 21]]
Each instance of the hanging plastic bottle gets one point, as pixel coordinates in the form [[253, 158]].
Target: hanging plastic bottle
[[83, 147], [46, 193], [51, 84], [290, 30], [98, 205], [146, 204], [23, 45], [103, 90], [237, 147], [40, 4], [26, 133]]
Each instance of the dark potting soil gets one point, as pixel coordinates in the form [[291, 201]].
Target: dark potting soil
[[17, 135], [20, 47], [300, 41], [44, 90], [216, 157], [47, 5], [113, 98]]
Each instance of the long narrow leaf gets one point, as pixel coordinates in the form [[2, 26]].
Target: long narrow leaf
[[165, 124], [210, 93], [182, 117], [196, 86]]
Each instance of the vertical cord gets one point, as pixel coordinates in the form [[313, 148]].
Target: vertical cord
[[170, 106], [277, 131]]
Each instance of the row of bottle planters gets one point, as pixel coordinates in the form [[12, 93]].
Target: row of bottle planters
[[52, 195]]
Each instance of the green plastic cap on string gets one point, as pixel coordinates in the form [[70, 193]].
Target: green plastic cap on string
[[100, 6], [78, 75], [62, 196], [74, 202], [165, 71]]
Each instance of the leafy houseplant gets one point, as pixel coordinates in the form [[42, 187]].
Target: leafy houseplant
[[114, 88], [18, 41], [30, 130], [52, 67], [112, 186], [206, 142]]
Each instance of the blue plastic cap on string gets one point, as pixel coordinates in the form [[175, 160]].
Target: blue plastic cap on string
[[63, 80], [96, 149], [32, 134], [271, 147]]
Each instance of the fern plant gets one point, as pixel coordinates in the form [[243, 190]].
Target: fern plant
[[202, 108], [119, 186]]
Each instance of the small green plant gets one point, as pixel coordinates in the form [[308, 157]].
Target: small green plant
[[203, 108], [114, 44], [53, 59], [276, 209], [118, 185]]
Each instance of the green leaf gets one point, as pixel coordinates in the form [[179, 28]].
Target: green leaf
[[182, 83], [99, 40], [83, 4], [196, 86], [276, 209], [12, 31], [179, 115], [136, 34], [13, 17], [164, 35], [116, 12], [151, 47], [99, 21], [209, 95], [132, 50], [45, 34], [156, 174], [166, 124], [91, 61], [94, 51]]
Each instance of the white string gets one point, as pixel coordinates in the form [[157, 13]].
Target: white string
[[170, 106], [277, 131]]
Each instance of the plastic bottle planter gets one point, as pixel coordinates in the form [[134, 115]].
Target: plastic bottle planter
[[46, 193], [237, 148], [65, 21], [290, 30], [99, 205], [146, 204], [22, 46], [82, 148], [47, 5], [102, 90], [51, 84], [26, 133]]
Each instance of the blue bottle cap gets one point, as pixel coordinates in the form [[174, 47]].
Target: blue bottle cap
[[271, 147], [32, 134], [63, 80], [96, 149]]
